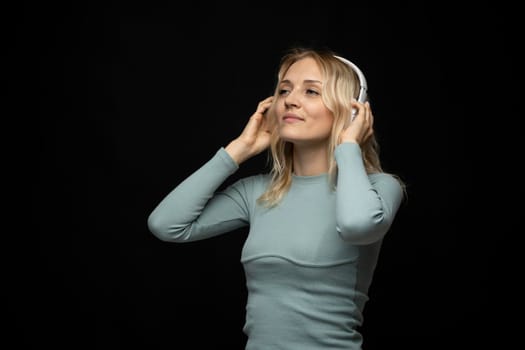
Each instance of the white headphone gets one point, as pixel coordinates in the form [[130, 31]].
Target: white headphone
[[363, 87]]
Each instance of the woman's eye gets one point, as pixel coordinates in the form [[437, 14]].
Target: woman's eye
[[283, 91], [311, 92]]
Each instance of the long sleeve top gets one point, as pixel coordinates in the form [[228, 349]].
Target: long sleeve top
[[308, 261]]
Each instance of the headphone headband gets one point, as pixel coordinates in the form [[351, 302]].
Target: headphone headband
[[363, 87]]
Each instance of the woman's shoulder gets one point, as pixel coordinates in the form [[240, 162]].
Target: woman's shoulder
[[250, 187], [381, 176], [387, 181], [256, 180], [384, 178]]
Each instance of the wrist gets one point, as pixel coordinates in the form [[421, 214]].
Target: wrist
[[349, 140], [237, 151]]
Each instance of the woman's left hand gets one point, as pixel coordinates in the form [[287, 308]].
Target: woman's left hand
[[360, 128]]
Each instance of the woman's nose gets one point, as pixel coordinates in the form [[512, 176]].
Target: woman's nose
[[291, 100]]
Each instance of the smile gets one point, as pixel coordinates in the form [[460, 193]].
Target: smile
[[292, 119]]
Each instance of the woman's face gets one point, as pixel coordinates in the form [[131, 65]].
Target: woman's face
[[302, 117]]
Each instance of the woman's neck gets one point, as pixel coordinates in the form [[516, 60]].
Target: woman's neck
[[310, 160]]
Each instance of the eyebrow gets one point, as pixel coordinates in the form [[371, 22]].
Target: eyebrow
[[308, 81]]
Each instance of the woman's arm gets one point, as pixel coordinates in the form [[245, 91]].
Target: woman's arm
[[194, 210], [366, 204]]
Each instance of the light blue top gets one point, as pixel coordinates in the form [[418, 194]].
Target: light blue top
[[309, 261]]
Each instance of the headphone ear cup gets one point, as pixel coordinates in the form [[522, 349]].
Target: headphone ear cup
[[353, 114]]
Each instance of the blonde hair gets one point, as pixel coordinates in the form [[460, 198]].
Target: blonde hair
[[340, 82]]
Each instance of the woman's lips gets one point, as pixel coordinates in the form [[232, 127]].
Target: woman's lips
[[292, 119]]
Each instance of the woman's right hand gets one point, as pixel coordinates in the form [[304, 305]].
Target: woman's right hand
[[255, 137]]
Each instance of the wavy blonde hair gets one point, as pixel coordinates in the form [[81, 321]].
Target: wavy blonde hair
[[340, 82]]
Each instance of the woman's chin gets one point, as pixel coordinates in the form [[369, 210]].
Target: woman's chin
[[291, 135]]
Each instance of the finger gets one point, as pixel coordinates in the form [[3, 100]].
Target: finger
[[261, 110], [360, 110], [370, 133], [368, 112], [264, 122], [265, 105], [266, 101], [253, 123]]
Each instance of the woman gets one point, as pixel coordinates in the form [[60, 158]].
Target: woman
[[316, 221]]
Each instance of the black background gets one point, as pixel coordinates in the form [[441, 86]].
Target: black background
[[121, 101]]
